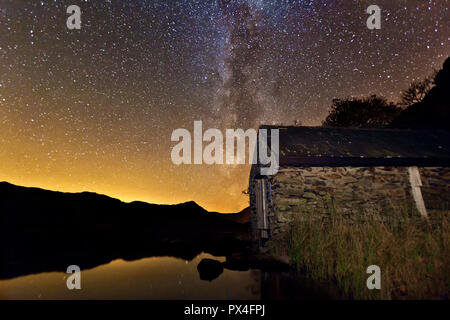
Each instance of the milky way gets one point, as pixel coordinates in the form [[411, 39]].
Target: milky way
[[93, 109]]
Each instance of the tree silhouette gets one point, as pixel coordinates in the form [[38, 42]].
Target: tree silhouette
[[373, 111], [417, 91], [433, 111]]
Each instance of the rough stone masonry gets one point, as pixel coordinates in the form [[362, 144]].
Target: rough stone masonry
[[351, 191]]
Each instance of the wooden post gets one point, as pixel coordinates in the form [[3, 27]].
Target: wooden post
[[416, 183], [261, 208]]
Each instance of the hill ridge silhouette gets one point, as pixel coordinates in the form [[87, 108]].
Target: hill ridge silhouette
[[42, 230], [191, 203]]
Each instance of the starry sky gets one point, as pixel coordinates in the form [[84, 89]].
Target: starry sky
[[94, 109]]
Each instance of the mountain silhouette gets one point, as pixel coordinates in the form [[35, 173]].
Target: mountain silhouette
[[43, 231]]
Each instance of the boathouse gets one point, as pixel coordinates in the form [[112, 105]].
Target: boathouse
[[352, 172]]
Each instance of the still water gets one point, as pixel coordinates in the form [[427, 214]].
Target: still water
[[149, 278], [162, 278]]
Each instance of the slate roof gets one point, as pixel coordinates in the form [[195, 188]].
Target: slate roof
[[321, 146]]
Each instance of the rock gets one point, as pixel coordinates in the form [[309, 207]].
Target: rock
[[291, 191], [319, 183], [284, 218], [291, 201], [309, 195], [209, 269], [346, 180], [334, 176]]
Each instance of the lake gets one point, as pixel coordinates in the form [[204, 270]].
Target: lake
[[161, 278]]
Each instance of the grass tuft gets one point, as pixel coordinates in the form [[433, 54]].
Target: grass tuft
[[413, 254]]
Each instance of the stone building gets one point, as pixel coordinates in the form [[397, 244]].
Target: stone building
[[353, 172]]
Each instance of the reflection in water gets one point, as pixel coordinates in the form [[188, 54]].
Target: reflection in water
[[132, 251], [149, 278]]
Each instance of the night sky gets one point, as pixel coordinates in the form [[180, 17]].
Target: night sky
[[94, 109]]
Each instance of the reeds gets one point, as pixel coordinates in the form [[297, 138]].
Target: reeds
[[413, 253]]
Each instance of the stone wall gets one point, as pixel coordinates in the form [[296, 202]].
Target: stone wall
[[436, 187], [349, 191]]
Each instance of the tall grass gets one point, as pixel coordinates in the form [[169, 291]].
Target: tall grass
[[413, 253]]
